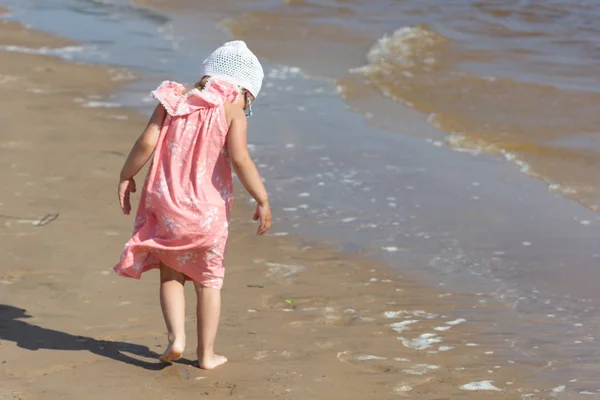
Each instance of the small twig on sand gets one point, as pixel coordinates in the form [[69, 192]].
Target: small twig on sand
[[256, 286], [45, 220]]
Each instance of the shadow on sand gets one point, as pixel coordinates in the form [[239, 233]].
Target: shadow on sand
[[33, 337]]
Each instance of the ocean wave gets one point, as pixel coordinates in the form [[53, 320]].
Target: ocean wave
[[406, 50], [63, 52], [547, 132]]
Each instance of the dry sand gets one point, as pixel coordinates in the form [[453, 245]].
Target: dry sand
[[300, 320]]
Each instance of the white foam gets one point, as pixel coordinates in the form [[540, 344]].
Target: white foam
[[421, 369], [349, 219], [283, 72], [456, 321], [101, 104], [392, 314], [483, 385], [424, 314], [34, 90], [390, 249], [472, 345], [559, 389], [65, 52], [425, 341], [305, 194], [403, 325], [441, 328], [370, 358], [121, 75], [445, 348], [402, 389]]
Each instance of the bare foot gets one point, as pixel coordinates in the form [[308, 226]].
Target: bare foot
[[211, 362], [173, 353]]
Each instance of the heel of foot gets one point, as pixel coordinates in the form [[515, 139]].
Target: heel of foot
[[211, 362], [171, 355]]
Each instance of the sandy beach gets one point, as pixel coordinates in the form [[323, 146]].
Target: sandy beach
[[300, 320]]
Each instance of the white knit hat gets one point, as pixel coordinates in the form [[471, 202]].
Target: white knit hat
[[235, 63]]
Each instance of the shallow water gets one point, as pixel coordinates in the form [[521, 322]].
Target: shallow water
[[464, 222], [517, 78]]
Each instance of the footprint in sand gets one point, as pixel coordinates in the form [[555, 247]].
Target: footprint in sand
[[217, 389], [270, 354], [279, 271], [405, 387], [327, 316], [367, 362]]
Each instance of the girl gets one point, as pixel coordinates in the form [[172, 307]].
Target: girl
[[182, 221]]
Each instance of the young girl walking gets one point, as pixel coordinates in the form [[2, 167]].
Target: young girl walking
[[181, 225]]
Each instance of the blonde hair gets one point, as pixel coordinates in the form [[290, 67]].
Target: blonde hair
[[201, 83]]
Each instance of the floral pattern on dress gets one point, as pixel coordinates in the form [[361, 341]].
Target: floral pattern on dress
[[183, 216]]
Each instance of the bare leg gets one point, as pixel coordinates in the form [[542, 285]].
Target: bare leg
[[208, 313], [172, 302]]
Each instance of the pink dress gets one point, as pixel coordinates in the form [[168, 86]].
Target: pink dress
[[183, 217]]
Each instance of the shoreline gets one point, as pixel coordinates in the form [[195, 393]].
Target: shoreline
[[352, 331], [387, 71]]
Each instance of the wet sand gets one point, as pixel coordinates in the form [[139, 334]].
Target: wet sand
[[300, 320]]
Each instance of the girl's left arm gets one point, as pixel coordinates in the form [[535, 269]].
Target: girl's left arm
[[139, 155]]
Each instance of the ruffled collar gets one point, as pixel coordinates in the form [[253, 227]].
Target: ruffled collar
[[178, 102]]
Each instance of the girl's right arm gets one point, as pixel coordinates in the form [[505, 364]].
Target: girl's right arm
[[139, 156], [237, 145]]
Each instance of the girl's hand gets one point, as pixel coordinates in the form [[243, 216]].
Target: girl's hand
[[263, 213], [126, 187]]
